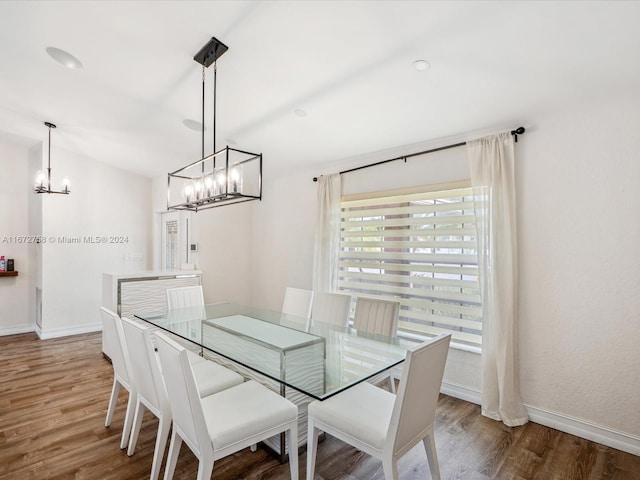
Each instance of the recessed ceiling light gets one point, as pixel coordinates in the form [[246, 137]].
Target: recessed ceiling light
[[421, 65], [298, 112], [193, 125], [64, 58]]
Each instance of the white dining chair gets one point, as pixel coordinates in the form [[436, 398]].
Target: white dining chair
[[296, 307], [378, 317], [331, 308], [384, 425], [122, 372], [150, 390], [183, 297], [218, 425], [150, 387]]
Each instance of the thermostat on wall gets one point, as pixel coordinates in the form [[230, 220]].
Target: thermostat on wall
[[193, 247]]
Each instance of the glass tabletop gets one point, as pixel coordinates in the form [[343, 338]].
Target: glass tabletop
[[317, 359]]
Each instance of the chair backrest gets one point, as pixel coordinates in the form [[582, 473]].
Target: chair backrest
[[414, 409], [117, 348], [332, 308], [298, 302], [186, 410], [376, 316], [183, 297], [145, 365]]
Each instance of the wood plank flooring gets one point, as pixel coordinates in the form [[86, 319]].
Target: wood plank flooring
[[53, 400]]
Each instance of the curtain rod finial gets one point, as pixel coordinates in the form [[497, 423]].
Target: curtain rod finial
[[315, 179], [516, 132]]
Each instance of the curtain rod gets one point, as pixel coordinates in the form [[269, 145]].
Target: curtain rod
[[515, 133]]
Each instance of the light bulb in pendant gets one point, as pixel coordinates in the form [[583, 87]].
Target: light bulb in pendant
[[208, 185], [40, 178], [234, 176], [188, 191]]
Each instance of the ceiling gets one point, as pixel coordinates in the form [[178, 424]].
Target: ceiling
[[347, 65]]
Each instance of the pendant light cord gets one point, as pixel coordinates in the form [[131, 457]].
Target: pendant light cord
[[49, 161], [215, 72], [203, 79]]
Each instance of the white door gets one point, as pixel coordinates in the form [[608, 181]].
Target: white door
[[176, 230]]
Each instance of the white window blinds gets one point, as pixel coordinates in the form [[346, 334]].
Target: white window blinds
[[417, 248]]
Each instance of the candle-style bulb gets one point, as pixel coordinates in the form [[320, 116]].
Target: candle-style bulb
[[188, 191], [40, 177]]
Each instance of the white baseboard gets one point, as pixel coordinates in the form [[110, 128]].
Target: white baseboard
[[16, 330], [580, 428], [590, 431], [463, 393], [64, 332]]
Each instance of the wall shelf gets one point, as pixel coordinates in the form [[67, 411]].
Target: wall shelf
[[8, 274]]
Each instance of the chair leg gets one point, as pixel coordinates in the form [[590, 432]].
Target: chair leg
[[135, 428], [161, 442], [128, 420], [115, 391], [390, 468], [172, 458], [205, 468], [292, 442], [432, 456], [312, 448], [392, 384]]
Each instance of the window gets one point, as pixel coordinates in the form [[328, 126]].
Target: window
[[418, 248]]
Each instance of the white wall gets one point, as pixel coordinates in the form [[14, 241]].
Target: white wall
[[282, 251], [14, 291], [578, 179], [224, 236], [578, 176], [107, 212]]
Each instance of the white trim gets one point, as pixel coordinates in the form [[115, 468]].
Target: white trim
[[17, 330], [466, 348], [581, 428], [64, 332], [463, 393], [564, 423]]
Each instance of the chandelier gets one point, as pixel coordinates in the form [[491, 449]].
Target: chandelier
[[43, 180], [224, 177]]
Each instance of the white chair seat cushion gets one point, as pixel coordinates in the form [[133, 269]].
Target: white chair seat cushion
[[360, 412], [213, 378], [258, 410], [210, 377]]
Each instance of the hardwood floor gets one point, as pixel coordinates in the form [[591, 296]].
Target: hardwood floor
[[53, 400]]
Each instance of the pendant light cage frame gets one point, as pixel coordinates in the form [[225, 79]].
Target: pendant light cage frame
[[225, 177]]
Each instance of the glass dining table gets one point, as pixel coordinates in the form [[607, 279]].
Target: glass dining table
[[316, 359], [301, 360]]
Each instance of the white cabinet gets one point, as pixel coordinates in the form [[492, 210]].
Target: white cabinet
[[143, 292]]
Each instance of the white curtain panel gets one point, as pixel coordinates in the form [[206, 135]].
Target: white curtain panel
[[326, 253], [491, 160]]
